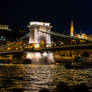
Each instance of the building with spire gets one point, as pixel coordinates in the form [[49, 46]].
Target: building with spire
[[80, 35], [72, 29]]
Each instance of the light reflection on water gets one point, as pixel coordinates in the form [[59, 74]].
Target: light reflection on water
[[31, 78]]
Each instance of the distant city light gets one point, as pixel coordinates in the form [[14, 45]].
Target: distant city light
[[36, 46], [29, 55], [44, 54], [4, 27]]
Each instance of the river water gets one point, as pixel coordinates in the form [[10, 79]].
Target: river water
[[31, 78]]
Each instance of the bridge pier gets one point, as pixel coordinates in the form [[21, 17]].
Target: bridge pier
[[40, 58]]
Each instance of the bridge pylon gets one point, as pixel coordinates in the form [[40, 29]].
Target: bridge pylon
[[38, 37]]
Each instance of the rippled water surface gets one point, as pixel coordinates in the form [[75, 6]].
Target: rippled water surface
[[31, 78]]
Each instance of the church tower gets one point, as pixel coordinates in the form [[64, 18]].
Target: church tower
[[72, 29]]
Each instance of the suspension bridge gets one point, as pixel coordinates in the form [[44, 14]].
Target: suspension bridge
[[41, 39]]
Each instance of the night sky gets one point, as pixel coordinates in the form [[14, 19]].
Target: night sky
[[18, 13]]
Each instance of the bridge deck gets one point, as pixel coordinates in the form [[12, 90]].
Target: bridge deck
[[52, 49]]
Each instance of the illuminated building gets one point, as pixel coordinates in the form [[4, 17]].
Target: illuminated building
[[4, 34], [84, 36], [72, 29], [90, 37], [5, 27], [81, 35], [2, 42]]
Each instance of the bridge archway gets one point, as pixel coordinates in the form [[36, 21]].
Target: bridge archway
[[42, 41]]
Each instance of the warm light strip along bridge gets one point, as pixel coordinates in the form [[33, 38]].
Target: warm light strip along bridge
[[51, 49]]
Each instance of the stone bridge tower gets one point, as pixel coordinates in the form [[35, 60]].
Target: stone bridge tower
[[38, 37]]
